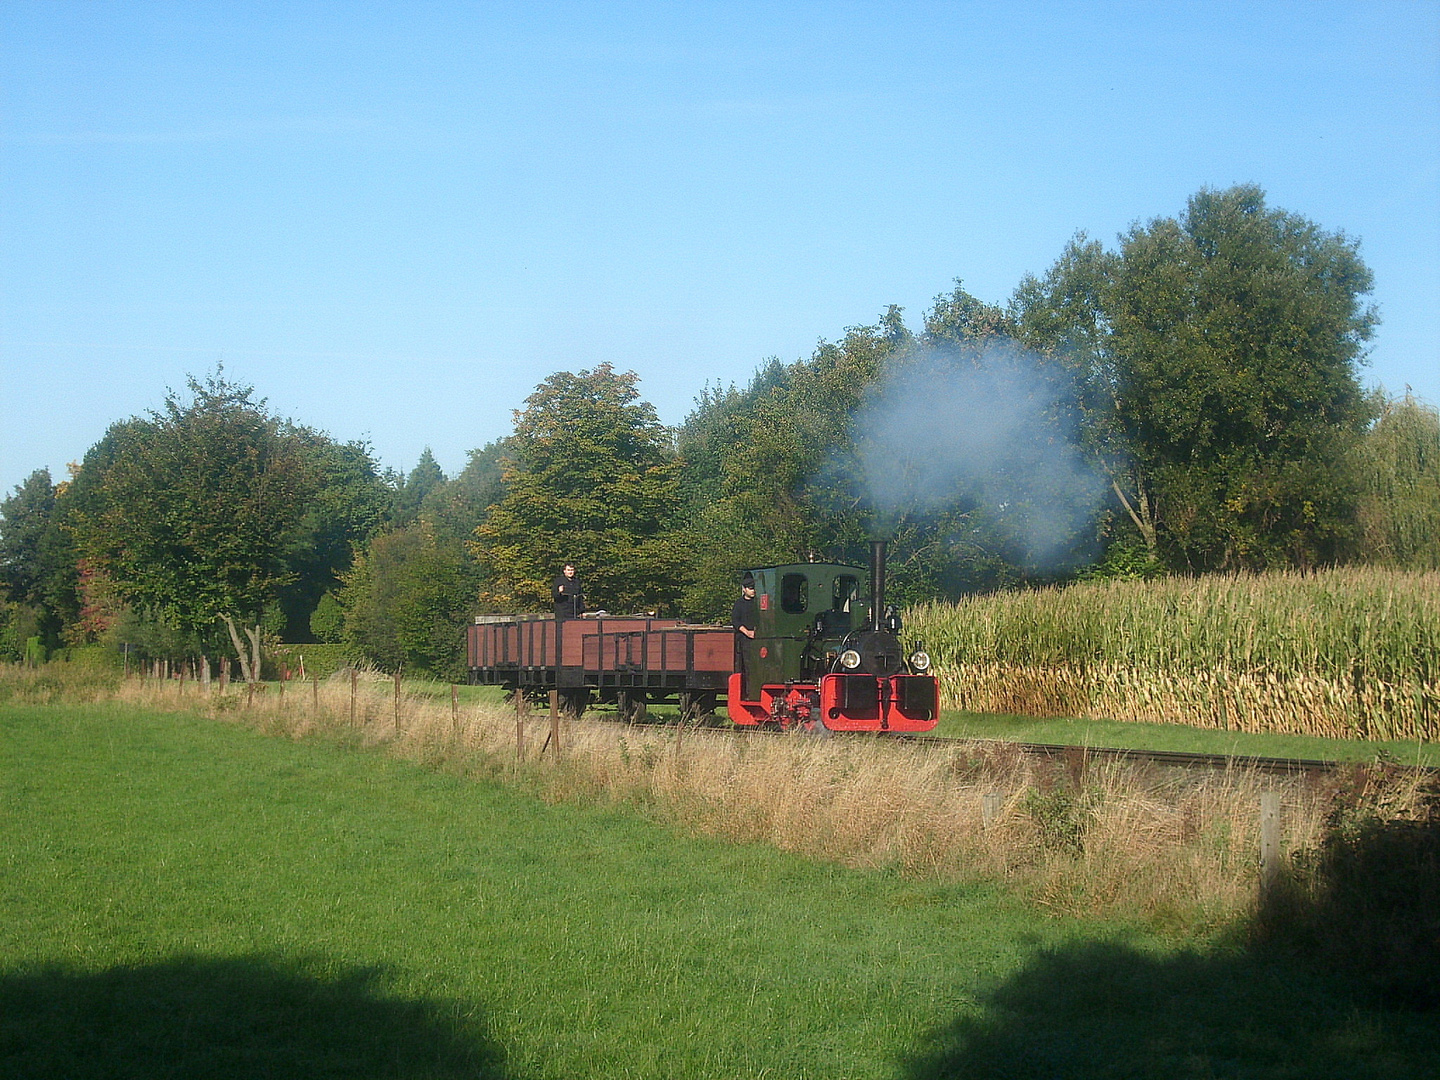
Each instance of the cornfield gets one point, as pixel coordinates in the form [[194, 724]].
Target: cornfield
[[1350, 653]]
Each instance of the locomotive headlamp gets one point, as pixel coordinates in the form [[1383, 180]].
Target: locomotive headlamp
[[920, 660], [850, 659]]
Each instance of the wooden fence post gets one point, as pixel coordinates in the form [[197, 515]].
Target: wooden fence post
[[397, 699], [555, 720], [990, 808], [1269, 840], [519, 725]]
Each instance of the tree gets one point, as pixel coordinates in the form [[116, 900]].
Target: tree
[[29, 546], [211, 507], [1214, 358], [1397, 468], [590, 477], [346, 505], [425, 478], [407, 598]]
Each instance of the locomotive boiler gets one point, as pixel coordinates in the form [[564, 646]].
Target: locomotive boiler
[[827, 655]]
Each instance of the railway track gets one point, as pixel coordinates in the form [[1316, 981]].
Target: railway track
[[1171, 758], [1175, 758]]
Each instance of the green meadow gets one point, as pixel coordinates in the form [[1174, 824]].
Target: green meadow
[[186, 897]]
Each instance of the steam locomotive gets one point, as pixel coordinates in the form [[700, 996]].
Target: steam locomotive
[[827, 654]]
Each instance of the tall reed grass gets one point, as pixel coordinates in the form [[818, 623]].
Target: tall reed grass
[[1349, 653], [1179, 850]]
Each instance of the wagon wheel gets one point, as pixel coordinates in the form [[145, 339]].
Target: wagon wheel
[[696, 707], [574, 702], [631, 705]]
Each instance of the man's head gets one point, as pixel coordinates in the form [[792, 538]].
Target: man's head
[[747, 586], [569, 570]]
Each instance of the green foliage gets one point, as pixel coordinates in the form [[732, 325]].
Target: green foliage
[[36, 566], [212, 506], [426, 478], [19, 623], [406, 601], [1397, 467], [590, 478], [327, 621], [812, 459], [1215, 360], [345, 504]]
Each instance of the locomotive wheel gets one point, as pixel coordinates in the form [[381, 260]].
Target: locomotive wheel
[[631, 706]]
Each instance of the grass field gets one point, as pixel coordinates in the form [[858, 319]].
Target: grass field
[[186, 897]]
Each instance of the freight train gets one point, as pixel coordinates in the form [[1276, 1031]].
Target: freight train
[[827, 655]]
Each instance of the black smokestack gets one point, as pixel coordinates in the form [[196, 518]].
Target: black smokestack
[[877, 583]]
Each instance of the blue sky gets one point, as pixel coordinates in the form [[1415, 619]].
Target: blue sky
[[396, 219]]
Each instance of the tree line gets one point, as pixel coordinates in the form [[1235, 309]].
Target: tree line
[[1187, 401]]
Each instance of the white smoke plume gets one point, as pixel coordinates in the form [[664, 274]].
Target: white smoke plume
[[986, 431]]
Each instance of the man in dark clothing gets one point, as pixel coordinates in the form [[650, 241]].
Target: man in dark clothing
[[568, 593], [742, 618]]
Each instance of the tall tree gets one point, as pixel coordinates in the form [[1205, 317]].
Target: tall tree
[[590, 477], [425, 478], [212, 507], [27, 521], [1216, 359]]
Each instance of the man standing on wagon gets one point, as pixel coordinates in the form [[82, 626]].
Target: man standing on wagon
[[742, 620], [569, 594]]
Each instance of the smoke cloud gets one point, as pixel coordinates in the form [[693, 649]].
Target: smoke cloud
[[984, 432]]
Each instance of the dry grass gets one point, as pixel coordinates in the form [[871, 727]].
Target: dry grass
[[1080, 836]]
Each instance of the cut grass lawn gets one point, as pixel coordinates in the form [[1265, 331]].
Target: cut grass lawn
[[187, 897], [1124, 734]]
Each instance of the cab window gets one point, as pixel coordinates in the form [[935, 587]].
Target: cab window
[[847, 590], [794, 594]]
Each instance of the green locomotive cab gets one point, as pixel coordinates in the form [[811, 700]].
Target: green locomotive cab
[[827, 652]]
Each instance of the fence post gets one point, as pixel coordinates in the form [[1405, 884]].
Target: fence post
[[1269, 840], [397, 699], [990, 808], [519, 725], [555, 720]]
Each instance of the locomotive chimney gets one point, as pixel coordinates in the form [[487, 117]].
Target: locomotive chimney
[[877, 583]]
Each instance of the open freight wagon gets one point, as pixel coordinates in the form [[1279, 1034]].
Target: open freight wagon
[[627, 661]]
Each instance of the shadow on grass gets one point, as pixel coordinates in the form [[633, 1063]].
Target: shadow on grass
[[230, 1019], [1108, 1010], [1338, 976]]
